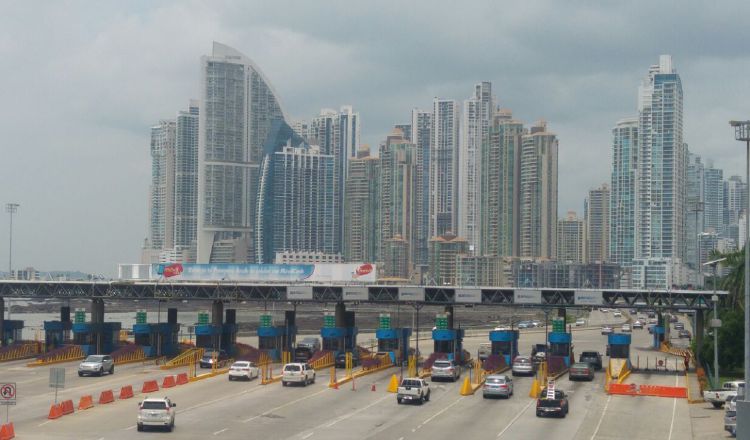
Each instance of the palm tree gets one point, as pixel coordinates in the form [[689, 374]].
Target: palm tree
[[734, 282]]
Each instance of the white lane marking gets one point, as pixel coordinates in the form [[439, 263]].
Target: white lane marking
[[601, 419], [44, 423], [220, 431], [284, 405], [130, 427], [515, 418], [199, 405], [308, 435], [440, 412], [346, 416], [674, 409]]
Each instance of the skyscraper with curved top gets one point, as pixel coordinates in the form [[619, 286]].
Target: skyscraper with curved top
[[239, 106]]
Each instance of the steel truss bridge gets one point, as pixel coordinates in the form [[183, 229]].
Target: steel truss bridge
[[415, 295]]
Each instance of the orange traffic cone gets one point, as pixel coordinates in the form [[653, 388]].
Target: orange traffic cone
[[335, 385], [372, 388]]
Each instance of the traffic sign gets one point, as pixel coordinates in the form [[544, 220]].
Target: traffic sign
[[57, 377], [8, 393]]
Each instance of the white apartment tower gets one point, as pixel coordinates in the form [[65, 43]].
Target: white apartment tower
[[623, 196], [161, 207], [476, 121], [239, 107], [421, 137]]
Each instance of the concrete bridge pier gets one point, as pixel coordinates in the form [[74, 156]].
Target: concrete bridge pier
[[217, 320]]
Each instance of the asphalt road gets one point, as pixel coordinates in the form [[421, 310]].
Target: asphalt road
[[217, 408]]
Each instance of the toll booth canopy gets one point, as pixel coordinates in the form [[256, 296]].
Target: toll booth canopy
[[13, 330]]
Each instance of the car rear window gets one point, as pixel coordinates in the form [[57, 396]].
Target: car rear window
[[154, 405], [410, 383], [292, 368], [240, 364], [523, 361], [442, 364], [495, 380]]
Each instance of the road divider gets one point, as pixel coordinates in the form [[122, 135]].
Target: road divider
[[7, 432], [647, 390], [182, 379], [86, 402], [168, 382], [150, 386], [106, 397], [65, 353], [55, 411], [67, 407], [373, 365], [126, 392]]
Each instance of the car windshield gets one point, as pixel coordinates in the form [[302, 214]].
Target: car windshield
[[154, 405], [94, 359], [442, 364], [292, 368]]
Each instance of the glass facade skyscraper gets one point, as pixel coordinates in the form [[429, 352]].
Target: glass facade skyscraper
[[623, 197]]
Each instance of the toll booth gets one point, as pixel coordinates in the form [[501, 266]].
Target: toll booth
[[342, 338], [560, 346], [619, 353], [57, 333], [448, 340], [96, 337], [505, 344], [157, 339], [221, 335], [394, 341], [275, 340], [12, 331]]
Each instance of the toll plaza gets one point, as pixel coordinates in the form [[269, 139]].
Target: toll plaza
[[619, 353], [58, 333], [394, 341], [448, 340], [560, 353], [275, 340], [339, 332], [219, 333], [159, 338], [505, 344]]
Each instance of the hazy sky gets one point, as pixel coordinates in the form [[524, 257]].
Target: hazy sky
[[82, 82]]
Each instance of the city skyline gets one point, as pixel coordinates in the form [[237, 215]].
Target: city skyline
[[120, 166]]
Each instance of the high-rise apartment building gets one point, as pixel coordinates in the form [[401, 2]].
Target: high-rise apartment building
[[662, 159], [571, 237], [444, 253], [421, 137], [735, 199], [596, 216], [623, 197], [238, 109], [444, 167], [398, 193], [696, 204], [538, 193], [713, 190], [476, 119], [362, 213], [161, 208], [186, 178], [499, 191]]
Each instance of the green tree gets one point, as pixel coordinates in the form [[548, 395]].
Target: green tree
[[734, 282]]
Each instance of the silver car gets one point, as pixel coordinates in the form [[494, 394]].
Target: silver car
[[498, 385], [522, 366], [444, 369], [156, 412], [96, 364]]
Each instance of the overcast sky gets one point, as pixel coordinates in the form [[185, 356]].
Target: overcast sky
[[82, 82]]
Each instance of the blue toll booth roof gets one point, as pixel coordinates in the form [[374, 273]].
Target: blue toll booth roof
[[560, 338], [503, 335], [618, 339]]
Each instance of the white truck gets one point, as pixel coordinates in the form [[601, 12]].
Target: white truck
[[717, 398], [413, 390]]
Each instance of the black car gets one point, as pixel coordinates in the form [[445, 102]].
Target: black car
[[685, 334], [208, 358], [592, 357], [341, 360]]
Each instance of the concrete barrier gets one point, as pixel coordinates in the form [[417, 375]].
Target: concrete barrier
[[67, 407], [106, 397], [168, 382], [150, 386], [126, 392], [55, 412], [182, 379], [86, 402]]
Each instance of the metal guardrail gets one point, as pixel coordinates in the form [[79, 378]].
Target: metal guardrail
[[20, 351], [63, 354], [324, 362], [187, 357]]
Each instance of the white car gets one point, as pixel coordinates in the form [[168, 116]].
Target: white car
[[156, 412], [626, 328], [617, 314], [297, 373], [580, 322], [243, 370]]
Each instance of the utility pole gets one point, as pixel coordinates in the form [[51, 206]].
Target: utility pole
[[11, 208]]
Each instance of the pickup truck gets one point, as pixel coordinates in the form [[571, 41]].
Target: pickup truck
[[413, 390], [728, 389], [557, 406]]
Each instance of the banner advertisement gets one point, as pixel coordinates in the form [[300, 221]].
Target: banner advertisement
[[468, 296], [525, 296], [588, 297], [355, 294], [317, 273], [410, 294], [302, 293]]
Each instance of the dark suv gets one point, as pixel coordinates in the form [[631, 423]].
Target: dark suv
[[207, 360], [592, 357]]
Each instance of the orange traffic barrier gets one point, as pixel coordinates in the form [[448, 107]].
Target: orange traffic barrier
[[106, 397], [86, 402], [55, 412], [7, 432], [126, 392], [67, 407], [150, 386], [623, 388], [182, 379], [168, 382]]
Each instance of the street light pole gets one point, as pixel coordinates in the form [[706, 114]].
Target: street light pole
[[742, 133], [11, 208]]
